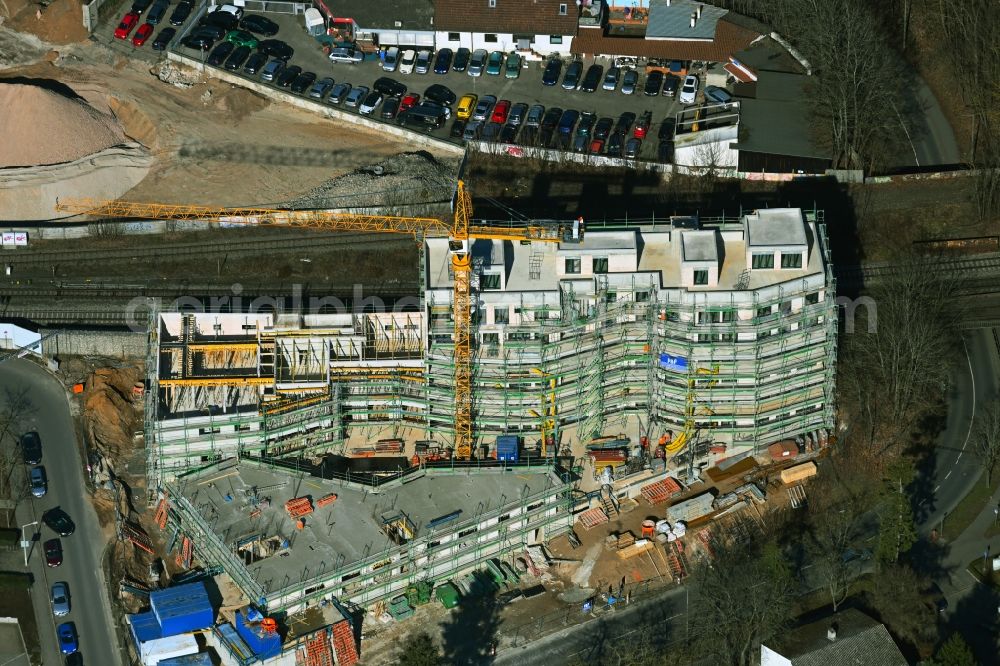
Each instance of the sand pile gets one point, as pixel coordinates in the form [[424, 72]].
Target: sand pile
[[41, 126]]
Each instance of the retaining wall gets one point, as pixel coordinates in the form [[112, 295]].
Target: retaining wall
[[94, 342], [94, 11]]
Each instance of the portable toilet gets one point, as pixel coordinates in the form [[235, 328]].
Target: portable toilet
[[315, 25], [508, 448]]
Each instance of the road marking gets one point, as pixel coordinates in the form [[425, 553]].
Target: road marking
[[972, 376], [945, 477]]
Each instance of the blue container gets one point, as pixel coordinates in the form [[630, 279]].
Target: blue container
[[145, 627], [508, 447], [263, 644], [182, 608]]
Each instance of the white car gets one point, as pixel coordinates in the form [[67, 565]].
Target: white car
[[344, 54], [391, 59], [689, 91], [370, 103], [407, 61], [60, 599]]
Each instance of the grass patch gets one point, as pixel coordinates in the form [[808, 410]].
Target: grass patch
[[13, 580], [17, 603], [982, 572], [971, 506]]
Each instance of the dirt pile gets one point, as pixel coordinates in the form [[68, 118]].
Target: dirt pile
[[47, 125], [109, 412], [175, 75], [58, 23]]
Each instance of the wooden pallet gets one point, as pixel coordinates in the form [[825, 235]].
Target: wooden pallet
[[660, 491], [592, 517]]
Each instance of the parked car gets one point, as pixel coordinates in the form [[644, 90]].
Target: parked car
[[666, 131], [472, 131], [580, 143], [614, 147], [654, 81], [440, 94], [390, 108], [465, 106], [477, 62], [53, 552], [60, 599], [670, 85], [272, 70], [39, 484], [624, 123], [212, 31], [302, 82], [390, 59], [551, 118], [259, 25], [611, 78], [276, 48], [68, 641], [356, 96], [127, 25], [346, 55], [457, 129], [484, 107], [163, 38], [231, 9], [587, 121], [139, 6], [665, 152], [254, 63], [508, 133], [642, 125], [370, 103], [592, 78], [242, 38], [58, 521], [181, 13], [339, 93], [567, 122], [423, 63], [629, 82], [442, 62], [517, 113], [632, 148], [718, 95], [535, 114], [225, 20], [237, 58], [512, 69], [409, 101], [500, 111], [491, 131], [142, 34], [573, 73], [157, 11], [553, 68], [427, 116], [596, 146], [220, 53], [321, 88], [689, 91], [461, 62], [494, 64], [390, 87], [407, 61], [603, 128], [288, 76], [198, 41]]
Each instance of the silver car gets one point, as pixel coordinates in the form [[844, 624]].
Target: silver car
[[272, 70], [517, 113], [611, 79], [39, 485], [629, 82], [339, 93], [478, 62], [356, 96], [484, 108], [321, 88], [535, 115], [423, 62], [60, 599]]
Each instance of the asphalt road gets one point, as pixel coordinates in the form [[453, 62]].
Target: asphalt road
[[934, 142], [49, 415]]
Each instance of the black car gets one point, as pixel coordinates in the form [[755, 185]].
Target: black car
[[163, 39], [31, 448], [666, 132], [389, 87], [442, 62], [220, 18], [440, 94], [220, 53], [215, 32], [254, 63], [181, 13], [259, 25], [550, 76], [462, 57], [390, 107], [670, 85], [551, 118], [615, 145], [567, 121], [302, 82], [288, 76], [592, 79], [508, 133], [75, 659], [491, 131], [139, 6], [237, 58], [58, 521], [457, 129], [157, 12], [587, 121], [653, 83], [276, 49], [198, 41], [571, 80], [603, 128], [665, 152], [624, 123]]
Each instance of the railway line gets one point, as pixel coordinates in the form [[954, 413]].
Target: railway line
[[976, 267]]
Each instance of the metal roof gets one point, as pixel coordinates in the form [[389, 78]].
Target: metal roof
[[671, 19]]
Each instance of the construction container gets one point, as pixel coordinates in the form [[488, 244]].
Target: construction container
[[199, 659], [182, 609], [264, 643], [447, 594], [798, 472], [607, 458], [151, 653], [145, 627], [783, 450], [508, 448], [691, 509]]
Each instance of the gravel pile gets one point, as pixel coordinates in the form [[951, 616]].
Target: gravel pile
[[40, 126], [406, 184]]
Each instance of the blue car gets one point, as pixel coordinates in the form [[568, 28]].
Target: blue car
[[68, 643], [442, 63], [552, 70]]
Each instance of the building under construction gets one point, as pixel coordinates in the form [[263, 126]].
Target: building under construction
[[715, 336]]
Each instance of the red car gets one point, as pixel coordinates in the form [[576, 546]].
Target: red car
[[408, 102], [642, 126], [53, 552], [500, 111], [125, 27], [142, 34], [596, 146]]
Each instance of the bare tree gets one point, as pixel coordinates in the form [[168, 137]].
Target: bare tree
[[988, 438], [15, 407]]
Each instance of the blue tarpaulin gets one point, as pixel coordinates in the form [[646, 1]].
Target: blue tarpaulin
[[674, 363], [182, 608]]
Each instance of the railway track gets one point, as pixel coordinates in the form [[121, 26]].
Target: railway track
[[180, 251], [976, 267]]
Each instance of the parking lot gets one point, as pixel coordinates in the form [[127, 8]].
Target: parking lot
[[527, 88]]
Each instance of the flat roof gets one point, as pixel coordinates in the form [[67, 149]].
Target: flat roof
[[411, 14], [776, 226], [673, 21], [602, 241], [348, 530], [700, 245], [776, 121]]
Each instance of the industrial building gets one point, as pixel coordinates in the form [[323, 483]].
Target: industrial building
[[718, 333]]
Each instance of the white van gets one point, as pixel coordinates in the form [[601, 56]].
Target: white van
[[231, 9]]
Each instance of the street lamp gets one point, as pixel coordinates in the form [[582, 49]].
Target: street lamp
[[26, 543]]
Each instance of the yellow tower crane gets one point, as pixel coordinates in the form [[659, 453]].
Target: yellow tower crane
[[460, 232]]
